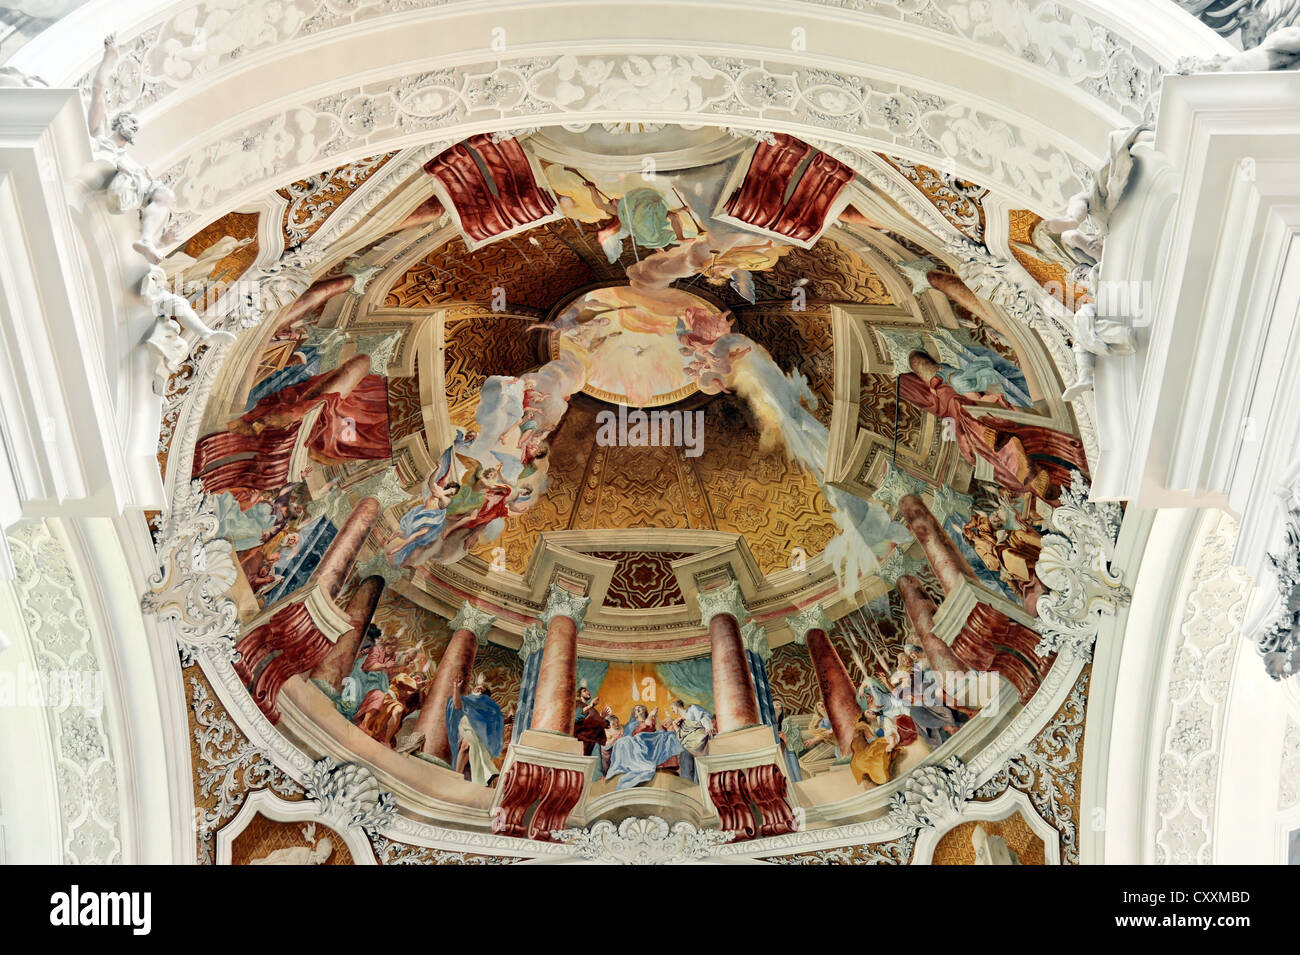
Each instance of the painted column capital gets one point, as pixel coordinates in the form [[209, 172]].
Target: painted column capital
[[899, 563], [897, 484], [754, 637], [726, 600], [564, 603], [534, 640], [812, 617], [948, 503], [476, 621]]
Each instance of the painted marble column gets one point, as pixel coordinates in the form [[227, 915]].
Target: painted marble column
[[530, 651], [557, 677], [949, 565], [361, 610], [341, 555], [920, 610], [757, 653], [811, 627], [734, 701], [469, 630]]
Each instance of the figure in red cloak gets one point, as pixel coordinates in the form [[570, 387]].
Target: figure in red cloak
[[352, 425], [1026, 459]]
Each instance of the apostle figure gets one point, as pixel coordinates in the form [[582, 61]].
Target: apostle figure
[[1026, 459], [613, 733], [879, 736], [475, 732], [884, 730], [918, 688], [350, 425], [694, 727], [380, 714], [589, 723], [353, 424], [821, 731], [1010, 549], [790, 738], [366, 676], [638, 752]]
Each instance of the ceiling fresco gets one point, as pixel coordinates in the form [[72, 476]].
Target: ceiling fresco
[[487, 434], [635, 368]]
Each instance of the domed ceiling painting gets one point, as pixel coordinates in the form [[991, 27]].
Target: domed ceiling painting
[[617, 375]]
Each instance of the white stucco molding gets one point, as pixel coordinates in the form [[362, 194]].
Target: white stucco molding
[[1185, 738], [1012, 801], [1205, 248], [79, 419], [240, 97], [306, 812]]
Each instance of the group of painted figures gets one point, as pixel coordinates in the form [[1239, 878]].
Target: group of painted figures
[[633, 750], [387, 689], [315, 422], [909, 707]]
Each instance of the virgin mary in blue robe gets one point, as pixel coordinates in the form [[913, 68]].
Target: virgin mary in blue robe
[[636, 758]]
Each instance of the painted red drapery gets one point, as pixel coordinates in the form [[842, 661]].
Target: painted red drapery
[[291, 642], [761, 199], [993, 642], [1026, 459], [489, 207], [350, 427]]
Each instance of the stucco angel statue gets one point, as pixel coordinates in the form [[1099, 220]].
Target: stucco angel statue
[[128, 186], [1093, 337], [173, 316]]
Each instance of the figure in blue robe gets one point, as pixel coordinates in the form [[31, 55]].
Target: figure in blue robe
[[245, 529], [984, 370], [479, 714], [422, 525], [636, 756], [359, 682]]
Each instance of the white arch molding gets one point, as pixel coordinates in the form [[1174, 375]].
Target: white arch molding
[[271, 93]]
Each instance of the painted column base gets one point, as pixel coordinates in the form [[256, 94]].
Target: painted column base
[[744, 779], [544, 779]]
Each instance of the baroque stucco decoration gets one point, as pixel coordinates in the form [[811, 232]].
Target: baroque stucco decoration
[[350, 793], [295, 270], [643, 841], [1058, 38], [1061, 42], [63, 646], [1279, 641], [1191, 744], [933, 795], [1075, 566], [1064, 46], [196, 571], [900, 119]]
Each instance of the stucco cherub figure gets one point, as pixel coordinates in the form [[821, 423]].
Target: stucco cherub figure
[[1095, 337], [128, 186], [1280, 50], [173, 315]]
